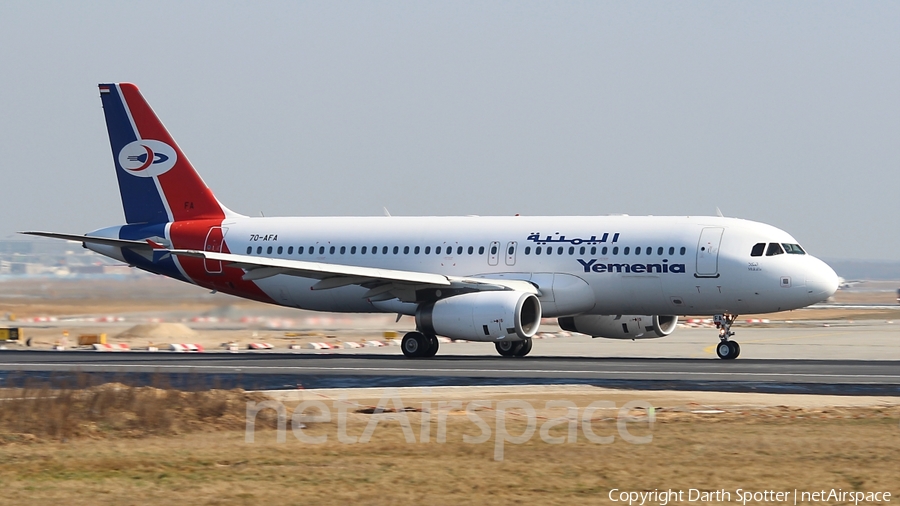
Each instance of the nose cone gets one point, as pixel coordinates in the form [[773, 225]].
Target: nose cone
[[821, 281]]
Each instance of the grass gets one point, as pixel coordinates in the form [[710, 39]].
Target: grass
[[156, 446]]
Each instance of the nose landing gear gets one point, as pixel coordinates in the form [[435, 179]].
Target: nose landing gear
[[727, 349]]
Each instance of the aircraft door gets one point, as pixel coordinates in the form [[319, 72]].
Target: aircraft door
[[215, 239], [708, 252], [511, 253], [494, 253]]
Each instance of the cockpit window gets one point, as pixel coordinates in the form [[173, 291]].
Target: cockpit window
[[793, 249], [774, 249], [758, 249]]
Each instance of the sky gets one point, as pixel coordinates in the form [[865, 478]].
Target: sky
[[782, 112]]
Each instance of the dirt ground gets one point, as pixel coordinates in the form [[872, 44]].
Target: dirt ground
[[747, 443]]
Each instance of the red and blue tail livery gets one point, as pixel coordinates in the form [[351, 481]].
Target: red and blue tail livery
[[157, 182], [489, 279]]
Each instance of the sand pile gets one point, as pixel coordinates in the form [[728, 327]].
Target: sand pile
[[154, 331]]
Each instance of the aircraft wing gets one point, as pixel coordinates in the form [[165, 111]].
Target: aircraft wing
[[383, 284]]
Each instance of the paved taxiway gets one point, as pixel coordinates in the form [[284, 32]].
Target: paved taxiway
[[813, 376], [841, 358]]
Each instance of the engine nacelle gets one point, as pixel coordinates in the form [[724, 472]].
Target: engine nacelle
[[621, 326], [482, 316]]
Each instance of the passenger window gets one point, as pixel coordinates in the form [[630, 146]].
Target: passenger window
[[671, 250], [594, 250], [659, 251], [571, 250], [549, 250], [280, 249], [527, 250], [615, 250], [683, 250], [259, 250], [602, 252], [321, 250], [559, 250], [774, 249], [300, 250], [637, 251], [510, 250], [396, 249], [374, 250], [249, 249], [362, 251], [758, 249], [427, 250], [343, 250], [459, 250], [269, 250], [627, 249], [581, 251], [481, 250], [290, 250], [537, 251], [437, 251], [331, 250], [471, 250], [384, 250], [493, 250], [353, 250], [416, 250]]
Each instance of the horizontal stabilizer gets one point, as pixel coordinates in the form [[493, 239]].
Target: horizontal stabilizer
[[106, 241]]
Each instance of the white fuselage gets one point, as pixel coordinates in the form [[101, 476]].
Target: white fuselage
[[596, 265]]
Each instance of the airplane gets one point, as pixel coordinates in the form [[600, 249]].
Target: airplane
[[487, 279]]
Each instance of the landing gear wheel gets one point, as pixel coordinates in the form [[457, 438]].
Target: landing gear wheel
[[415, 345], [507, 348], [735, 348], [525, 349], [728, 350], [433, 345]]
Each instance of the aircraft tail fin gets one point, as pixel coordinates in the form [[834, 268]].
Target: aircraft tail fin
[[157, 182]]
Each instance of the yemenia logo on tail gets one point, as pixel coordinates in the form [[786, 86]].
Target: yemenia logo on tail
[[147, 158]]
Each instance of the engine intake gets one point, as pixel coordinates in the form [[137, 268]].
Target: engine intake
[[482, 316], [621, 326]]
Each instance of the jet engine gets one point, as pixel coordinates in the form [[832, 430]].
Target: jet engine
[[482, 316], [621, 326]]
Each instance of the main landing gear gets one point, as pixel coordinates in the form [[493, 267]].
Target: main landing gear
[[726, 349], [513, 348], [419, 345]]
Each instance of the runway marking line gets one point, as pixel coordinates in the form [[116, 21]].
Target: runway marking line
[[410, 369]]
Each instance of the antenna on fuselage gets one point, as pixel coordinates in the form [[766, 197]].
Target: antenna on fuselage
[[386, 212], [719, 212]]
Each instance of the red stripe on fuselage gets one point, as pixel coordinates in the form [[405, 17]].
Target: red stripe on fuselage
[[187, 195], [192, 235]]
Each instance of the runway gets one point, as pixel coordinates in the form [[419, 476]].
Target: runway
[[286, 370]]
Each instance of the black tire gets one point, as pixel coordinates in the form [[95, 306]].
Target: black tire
[[525, 349], [724, 350], [507, 348], [433, 345], [735, 349], [414, 345]]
